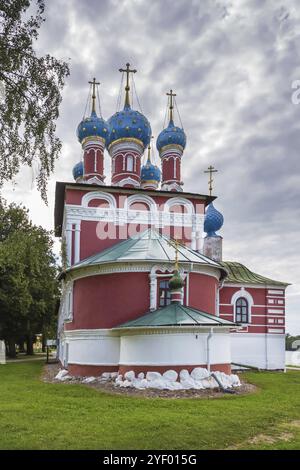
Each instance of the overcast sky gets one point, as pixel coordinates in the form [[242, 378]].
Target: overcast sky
[[232, 65]]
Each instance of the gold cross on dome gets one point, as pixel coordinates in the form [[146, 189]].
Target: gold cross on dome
[[210, 170], [127, 87], [94, 83], [175, 244], [171, 104]]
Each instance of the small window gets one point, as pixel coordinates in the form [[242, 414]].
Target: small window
[[242, 310], [164, 294], [129, 162], [69, 305]]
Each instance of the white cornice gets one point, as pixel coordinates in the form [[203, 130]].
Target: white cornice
[[138, 266]]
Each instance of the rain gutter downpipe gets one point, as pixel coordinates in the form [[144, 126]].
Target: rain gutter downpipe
[[209, 336]]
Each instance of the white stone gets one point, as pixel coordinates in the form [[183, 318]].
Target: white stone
[[199, 373], [66, 377], [170, 375], [212, 382], [205, 383], [184, 374], [173, 385], [141, 384], [130, 375], [235, 380], [106, 375], [89, 380], [141, 375], [153, 376], [223, 379], [126, 384], [114, 375], [159, 383], [188, 383], [61, 374]]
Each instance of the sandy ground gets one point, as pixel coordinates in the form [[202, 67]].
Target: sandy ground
[[50, 371]]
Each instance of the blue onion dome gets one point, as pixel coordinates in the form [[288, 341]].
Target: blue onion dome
[[92, 126], [129, 124], [213, 221], [171, 135], [78, 170], [150, 172]]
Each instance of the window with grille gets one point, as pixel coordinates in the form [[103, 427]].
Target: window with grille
[[164, 294], [129, 163], [242, 310]]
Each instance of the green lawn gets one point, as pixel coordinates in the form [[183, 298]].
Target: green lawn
[[37, 415]]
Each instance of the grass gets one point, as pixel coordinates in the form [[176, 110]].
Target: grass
[[38, 415]]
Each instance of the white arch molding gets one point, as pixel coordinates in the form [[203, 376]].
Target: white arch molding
[[143, 198], [99, 195], [181, 201], [246, 295]]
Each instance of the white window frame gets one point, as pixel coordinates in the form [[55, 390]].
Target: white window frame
[[243, 293], [129, 163]]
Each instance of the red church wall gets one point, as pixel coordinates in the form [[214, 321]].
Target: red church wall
[[262, 320], [258, 294], [82, 370], [74, 196], [105, 301], [97, 236], [202, 292], [92, 237]]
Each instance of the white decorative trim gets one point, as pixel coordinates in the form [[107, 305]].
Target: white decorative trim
[[94, 180], [69, 243], [77, 243], [122, 216], [242, 293], [125, 146], [249, 286], [127, 180], [143, 198], [273, 310], [136, 266], [174, 186], [98, 195], [168, 153], [181, 201], [153, 281]]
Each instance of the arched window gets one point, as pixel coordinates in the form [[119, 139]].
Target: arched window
[[129, 163], [242, 310], [164, 294]]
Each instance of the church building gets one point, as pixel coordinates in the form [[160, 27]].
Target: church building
[[144, 285]]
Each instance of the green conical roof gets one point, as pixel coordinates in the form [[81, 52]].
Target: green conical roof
[[176, 314]]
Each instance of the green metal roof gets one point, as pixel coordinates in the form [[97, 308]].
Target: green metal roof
[[176, 314], [239, 274], [149, 245]]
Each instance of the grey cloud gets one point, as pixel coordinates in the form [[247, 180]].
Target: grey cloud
[[231, 64]]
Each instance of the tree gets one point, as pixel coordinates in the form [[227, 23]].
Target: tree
[[29, 289], [30, 88]]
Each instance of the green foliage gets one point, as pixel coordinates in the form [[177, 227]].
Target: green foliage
[[32, 412], [289, 342], [30, 93], [28, 276]]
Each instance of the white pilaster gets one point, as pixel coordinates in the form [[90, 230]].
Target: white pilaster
[[69, 243], [77, 243]]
